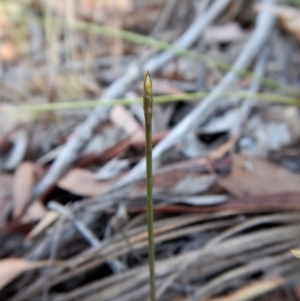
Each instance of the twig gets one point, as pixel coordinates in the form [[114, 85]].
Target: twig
[[248, 103], [83, 134], [56, 235], [83, 230], [199, 115], [164, 17]]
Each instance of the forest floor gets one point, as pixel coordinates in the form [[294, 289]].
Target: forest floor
[[226, 138]]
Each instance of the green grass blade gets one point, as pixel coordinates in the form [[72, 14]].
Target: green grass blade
[[281, 99], [160, 45]]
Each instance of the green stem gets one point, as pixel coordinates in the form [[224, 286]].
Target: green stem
[[148, 104]]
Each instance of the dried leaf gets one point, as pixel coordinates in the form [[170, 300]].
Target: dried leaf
[[223, 149], [296, 253], [50, 218], [112, 168], [193, 184], [22, 186], [35, 212], [121, 5], [123, 119], [11, 268], [156, 138], [9, 50], [225, 33], [175, 182], [108, 138], [297, 292], [254, 177], [83, 182], [288, 16]]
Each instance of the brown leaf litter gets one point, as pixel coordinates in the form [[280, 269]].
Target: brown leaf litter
[[255, 177]]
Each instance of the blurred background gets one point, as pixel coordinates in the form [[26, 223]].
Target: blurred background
[[226, 137]]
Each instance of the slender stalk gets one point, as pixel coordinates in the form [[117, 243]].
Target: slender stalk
[[148, 104]]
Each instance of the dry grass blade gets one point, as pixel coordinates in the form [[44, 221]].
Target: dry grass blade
[[11, 268], [252, 291], [254, 242], [227, 279]]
